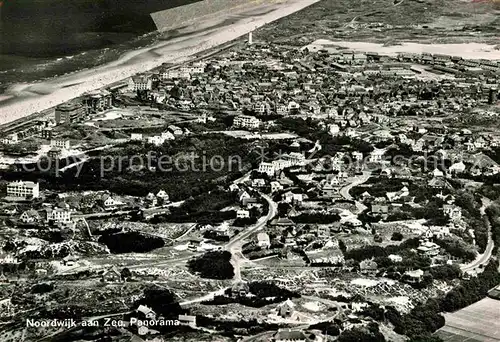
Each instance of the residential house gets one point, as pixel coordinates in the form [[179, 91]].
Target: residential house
[[439, 183], [258, 183], [290, 335], [246, 121], [240, 289], [452, 211], [395, 258], [285, 309], [242, 214], [11, 139], [111, 275], [162, 195], [147, 312], [380, 210], [276, 186], [54, 153], [413, 277], [188, 320], [368, 267], [175, 130], [292, 198], [267, 168], [457, 168], [263, 240], [30, 216], [136, 137], [242, 195], [151, 200], [330, 191], [376, 155], [428, 248], [59, 215]]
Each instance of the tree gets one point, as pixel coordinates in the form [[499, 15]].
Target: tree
[[125, 273], [161, 301], [397, 236], [362, 335], [342, 246], [213, 265]]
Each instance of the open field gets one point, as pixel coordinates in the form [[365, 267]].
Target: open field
[[467, 50], [477, 322], [387, 21]]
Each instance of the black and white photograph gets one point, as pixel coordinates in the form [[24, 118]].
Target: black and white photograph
[[249, 170]]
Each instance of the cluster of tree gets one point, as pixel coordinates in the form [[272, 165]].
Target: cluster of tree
[[371, 251], [422, 320], [377, 187], [470, 291], [162, 301], [42, 288], [196, 164], [316, 218], [238, 327], [131, 242], [202, 217], [243, 222], [426, 318], [214, 235], [493, 213], [446, 272], [430, 211], [456, 248], [329, 328], [213, 265], [370, 333], [263, 294], [265, 289]]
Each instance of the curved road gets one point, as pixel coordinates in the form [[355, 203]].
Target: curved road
[[484, 258], [236, 243], [357, 181]]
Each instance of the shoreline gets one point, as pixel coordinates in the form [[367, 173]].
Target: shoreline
[[196, 40]]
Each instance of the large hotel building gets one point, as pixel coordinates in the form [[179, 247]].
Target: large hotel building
[[21, 189]]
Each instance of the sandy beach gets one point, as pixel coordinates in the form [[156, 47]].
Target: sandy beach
[[31, 98]]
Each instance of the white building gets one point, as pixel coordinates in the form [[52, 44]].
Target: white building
[[281, 164], [376, 156], [282, 109], [136, 137], [246, 121], [263, 240], [11, 139], [21, 189], [173, 74], [168, 136], [267, 168], [140, 83], [60, 143], [242, 214], [276, 186], [157, 140], [59, 215]]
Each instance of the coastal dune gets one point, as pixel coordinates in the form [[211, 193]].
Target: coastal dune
[[206, 34]]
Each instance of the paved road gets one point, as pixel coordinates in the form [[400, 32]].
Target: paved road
[[356, 181], [236, 243], [484, 258]]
